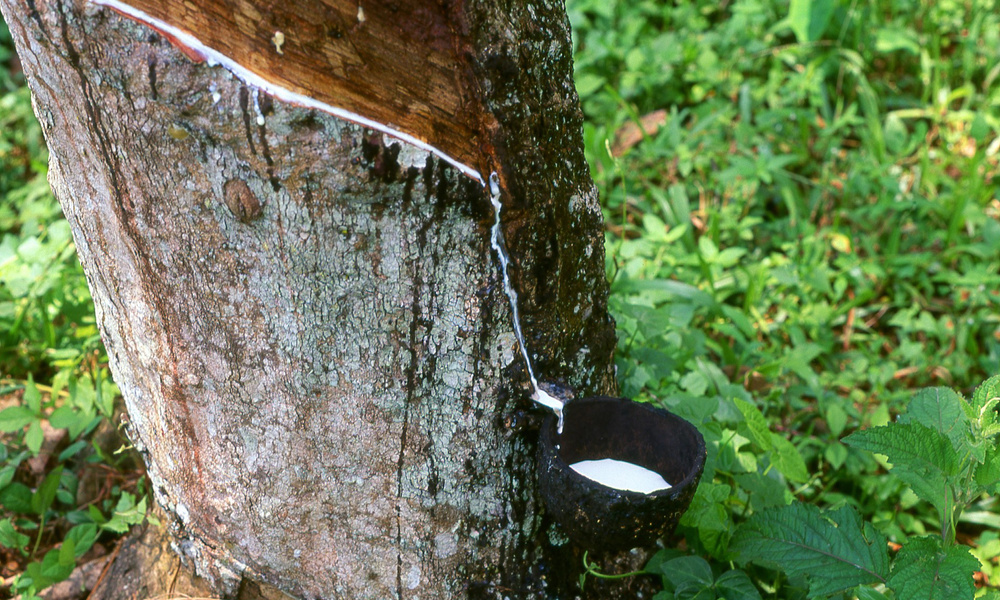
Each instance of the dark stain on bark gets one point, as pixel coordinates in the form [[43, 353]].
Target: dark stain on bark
[[245, 109], [382, 161], [266, 152], [151, 71]]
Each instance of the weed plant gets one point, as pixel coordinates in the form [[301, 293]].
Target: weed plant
[[804, 229], [65, 494]]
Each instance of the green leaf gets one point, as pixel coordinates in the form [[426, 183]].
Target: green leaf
[[891, 40], [55, 568], [709, 517], [736, 585], [95, 514], [83, 537], [72, 450], [922, 457], [760, 433], [15, 418], [709, 251], [922, 569], [10, 538], [43, 497], [67, 552], [987, 390], [987, 474], [126, 514], [588, 83], [787, 460], [834, 550], [32, 397], [868, 593], [984, 403], [809, 18], [940, 408], [7, 475], [687, 574], [835, 454], [16, 498], [764, 490], [836, 419], [63, 417], [662, 556], [34, 437]]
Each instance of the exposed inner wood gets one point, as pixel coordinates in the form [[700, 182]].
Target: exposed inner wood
[[401, 63]]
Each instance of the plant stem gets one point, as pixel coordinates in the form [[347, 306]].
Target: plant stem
[[592, 570]]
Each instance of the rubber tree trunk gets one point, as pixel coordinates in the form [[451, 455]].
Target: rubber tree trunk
[[304, 315]]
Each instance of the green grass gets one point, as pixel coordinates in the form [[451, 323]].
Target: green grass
[[809, 234]]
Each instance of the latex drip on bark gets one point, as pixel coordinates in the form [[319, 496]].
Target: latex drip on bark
[[496, 241]]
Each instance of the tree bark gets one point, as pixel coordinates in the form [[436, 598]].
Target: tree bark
[[305, 317]]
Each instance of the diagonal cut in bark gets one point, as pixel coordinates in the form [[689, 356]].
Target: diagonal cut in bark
[[399, 67]]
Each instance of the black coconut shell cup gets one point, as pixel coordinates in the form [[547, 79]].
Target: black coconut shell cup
[[598, 517]]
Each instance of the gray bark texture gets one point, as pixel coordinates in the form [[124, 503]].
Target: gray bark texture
[[305, 318]]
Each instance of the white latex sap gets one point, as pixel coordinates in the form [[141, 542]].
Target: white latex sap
[[621, 475], [496, 241]]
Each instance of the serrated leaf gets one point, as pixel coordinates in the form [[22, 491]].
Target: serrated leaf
[[987, 474], [940, 408], [10, 538], [786, 459], [116, 525], [984, 403], [709, 517], [760, 433], [922, 457], [834, 550], [987, 390], [922, 569], [15, 418], [43, 497]]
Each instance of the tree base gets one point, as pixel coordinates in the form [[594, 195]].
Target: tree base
[[145, 565]]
